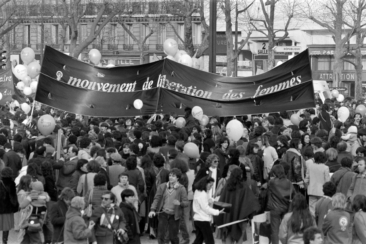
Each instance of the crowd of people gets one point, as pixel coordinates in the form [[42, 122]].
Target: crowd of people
[[105, 180]]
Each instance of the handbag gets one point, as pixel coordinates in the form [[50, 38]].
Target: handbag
[[89, 208], [118, 238]]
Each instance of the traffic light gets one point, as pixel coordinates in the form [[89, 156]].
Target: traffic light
[[3, 60]]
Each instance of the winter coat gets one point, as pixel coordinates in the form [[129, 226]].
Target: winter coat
[[57, 215], [342, 179], [337, 227], [359, 228], [102, 233], [12, 159], [65, 176], [316, 176], [279, 193], [76, 230], [8, 196], [131, 215], [297, 165], [358, 186], [135, 179], [222, 160]]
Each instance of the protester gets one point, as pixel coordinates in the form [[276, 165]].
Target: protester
[[337, 227], [359, 225], [342, 178], [358, 184], [9, 202], [295, 222], [203, 211], [76, 230], [108, 219], [280, 193], [58, 214], [324, 204], [131, 216], [169, 201], [313, 235], [317, 174]]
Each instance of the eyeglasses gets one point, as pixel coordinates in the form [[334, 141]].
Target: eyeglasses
[[216, 161], [105, 198]]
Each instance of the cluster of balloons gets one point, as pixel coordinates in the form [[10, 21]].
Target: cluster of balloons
[[338, 96], [173, 53], [28, 72]]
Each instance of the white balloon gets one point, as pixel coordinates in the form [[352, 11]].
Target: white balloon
[[33, 86], [197, 112], [186, 60], [16, 103], [138, 104], [343, 113], [25, 107], [340, 98], [196, 63], [27, 91], [20, 85], [20, 71], [1, 96], [234, 130]]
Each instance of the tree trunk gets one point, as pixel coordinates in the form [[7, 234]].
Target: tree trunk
[[338, 65], [42, 40], [271, 58], [229, 39], [63, 37], [359, 66], [74, 38], [188, 41]]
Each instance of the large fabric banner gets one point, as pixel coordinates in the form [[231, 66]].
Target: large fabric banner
[[6, 86], [168, 87]]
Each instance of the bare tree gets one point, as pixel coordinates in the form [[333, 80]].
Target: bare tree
[[205, 43], [332, 18], [75, 11], [266, 24], [231, 52], [185, 9], [356, 13]]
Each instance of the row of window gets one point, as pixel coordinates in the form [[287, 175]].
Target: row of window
[[327, 63], [116, 34]]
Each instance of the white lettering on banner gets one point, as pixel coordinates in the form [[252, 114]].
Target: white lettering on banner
[[279, 87], [344, 76], [163, 82]]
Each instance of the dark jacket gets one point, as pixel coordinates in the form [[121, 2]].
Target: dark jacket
[[158, 202], [105, 172], [135, 179], [8, 196], [131, 215], [342, 178], [333, 165], [208, 144], [279, 193], [65, 176], [325, 122], [76, 230], [50, 188], [337, 227], [102, 233], [58, 217], [13, 160]]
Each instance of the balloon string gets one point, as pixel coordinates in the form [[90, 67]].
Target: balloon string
[[31, 115]]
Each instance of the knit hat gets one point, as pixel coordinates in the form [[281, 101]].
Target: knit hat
[[116, 157]]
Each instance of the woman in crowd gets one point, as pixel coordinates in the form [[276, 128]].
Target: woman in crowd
[[134, 175], [270, 156], [317, 174], [324, 204], [332, 162], [58, 214], [9, 202], [279, 194], [93, 197], [86, 181], [221, 151], [209, 168], [295, 222], [359, 219], [257, 162], [243, 202], [282, 145], [337, 226], [76, 230], [305, 141], [203, 211], [358, 184], [79, 171], [131, 216]]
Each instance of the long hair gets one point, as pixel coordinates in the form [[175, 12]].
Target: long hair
[[47, 169], [301, 217], [24, 183], [235, 180]]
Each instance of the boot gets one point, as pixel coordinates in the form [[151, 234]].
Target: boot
[[5, 237]]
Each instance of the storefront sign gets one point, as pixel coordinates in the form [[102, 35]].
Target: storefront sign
[[327, 51], [283, 49], [338, 88], [329, 76]]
